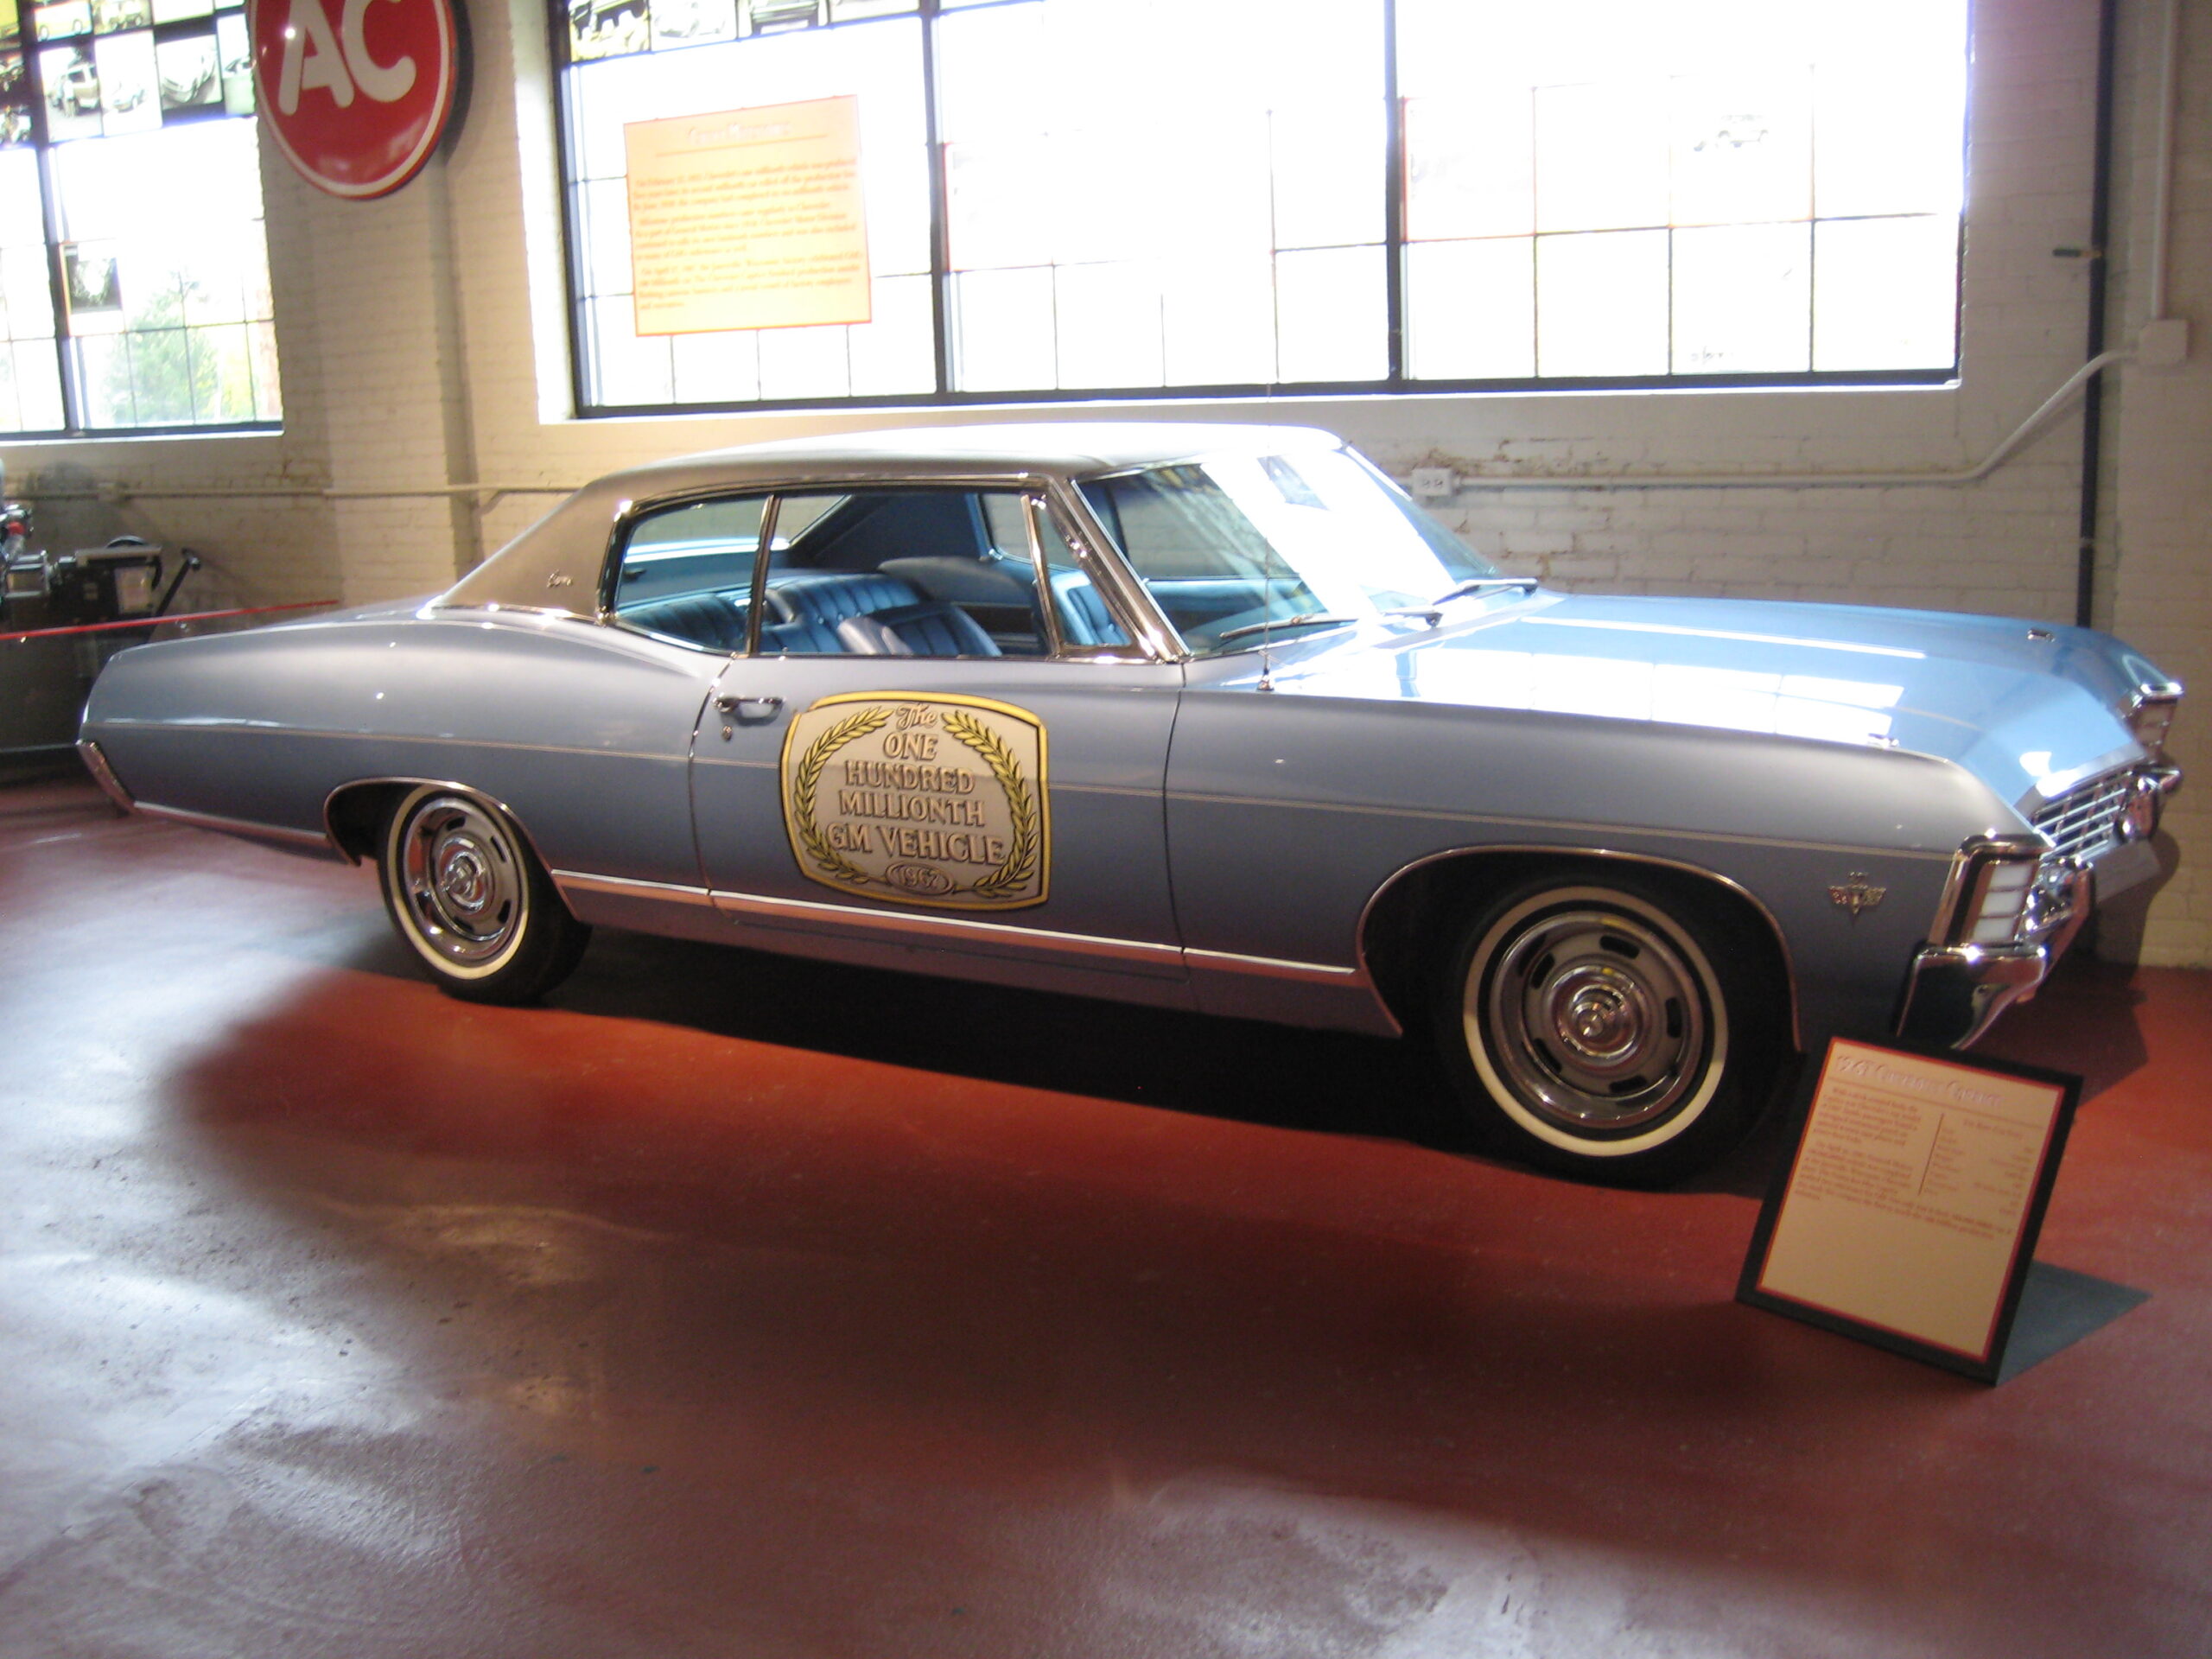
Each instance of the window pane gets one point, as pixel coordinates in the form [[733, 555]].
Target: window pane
[[897, 352], [803, 363], [1471, 166], [222, 374], [1743, 147], [38, 385], [1328, 178], [1220, 322], [626, 368], [878, 65], [1109, 325], [1471, 310], [1601, 303], [1175, 173], [1728, 114], [1329, 315], [166, 258], [1889, 143], [1601, 157], [102, 364], [1743, 299], [719, 368], [1884, 293], [1005, 329]]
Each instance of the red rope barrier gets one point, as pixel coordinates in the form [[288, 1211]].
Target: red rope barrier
[[159, 621]]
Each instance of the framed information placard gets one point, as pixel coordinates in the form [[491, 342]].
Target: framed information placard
[[1907, 1216]]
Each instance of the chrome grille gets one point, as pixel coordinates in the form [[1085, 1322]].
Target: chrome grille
[[2085, 821]]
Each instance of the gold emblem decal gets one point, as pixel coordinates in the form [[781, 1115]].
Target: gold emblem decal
[[927, 800], [1855, 895]]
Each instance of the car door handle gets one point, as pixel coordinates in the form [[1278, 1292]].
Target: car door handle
[[736, 711]]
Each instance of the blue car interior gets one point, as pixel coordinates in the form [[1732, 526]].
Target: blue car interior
[[902, 573]]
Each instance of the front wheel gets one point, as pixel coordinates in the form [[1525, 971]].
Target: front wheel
[[466, 892], [1610, 1029]]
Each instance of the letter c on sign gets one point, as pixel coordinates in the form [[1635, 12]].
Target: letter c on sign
[[387, 83]]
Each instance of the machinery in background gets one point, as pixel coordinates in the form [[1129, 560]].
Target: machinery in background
[[62, 615]]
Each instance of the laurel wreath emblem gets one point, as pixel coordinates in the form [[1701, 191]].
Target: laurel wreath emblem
[[808, 778], [1026, 846], [1021, 861]]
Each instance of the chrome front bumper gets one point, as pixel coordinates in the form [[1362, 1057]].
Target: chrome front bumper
[[1953, 992]]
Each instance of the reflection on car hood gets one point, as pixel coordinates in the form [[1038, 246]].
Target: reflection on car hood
[[2028, 715]]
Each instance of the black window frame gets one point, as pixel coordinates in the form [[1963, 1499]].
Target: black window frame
[[1395, 382]]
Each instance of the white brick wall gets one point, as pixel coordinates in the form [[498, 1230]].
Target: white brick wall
[[420, 337]]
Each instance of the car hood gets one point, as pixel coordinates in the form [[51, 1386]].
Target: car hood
[[2031, 709]]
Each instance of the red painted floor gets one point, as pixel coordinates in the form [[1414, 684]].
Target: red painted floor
[[732, 1307]]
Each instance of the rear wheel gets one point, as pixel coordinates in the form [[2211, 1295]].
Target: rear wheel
[[465, 891], [1610, 1029]]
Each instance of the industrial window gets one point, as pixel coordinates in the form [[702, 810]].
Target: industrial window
[[134, 273], [788, 202]]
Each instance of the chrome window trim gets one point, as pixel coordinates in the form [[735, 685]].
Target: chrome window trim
[[1126, 597]]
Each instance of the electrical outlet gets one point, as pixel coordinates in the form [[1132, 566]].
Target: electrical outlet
[[1435, 483]]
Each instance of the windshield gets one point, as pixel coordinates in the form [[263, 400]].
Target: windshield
[[1233, 544]]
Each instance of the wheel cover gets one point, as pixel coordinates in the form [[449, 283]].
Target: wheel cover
[[1594, 1020], [461, 882]]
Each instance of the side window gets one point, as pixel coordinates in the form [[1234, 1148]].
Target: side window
[[903, 573], [686, 572], [1084, 618]]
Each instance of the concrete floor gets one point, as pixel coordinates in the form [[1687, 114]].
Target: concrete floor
[[739, 1308]]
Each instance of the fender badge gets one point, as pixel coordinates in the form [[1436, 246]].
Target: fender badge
[[560, 579], [1855, 895]]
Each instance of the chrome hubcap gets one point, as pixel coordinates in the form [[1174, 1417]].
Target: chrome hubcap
[[462, 879], [1596, 1020]]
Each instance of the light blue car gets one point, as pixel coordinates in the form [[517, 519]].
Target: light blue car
[[1209, 718]]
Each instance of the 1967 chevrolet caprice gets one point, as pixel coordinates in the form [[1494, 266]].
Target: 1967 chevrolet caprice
[[1209, 718]]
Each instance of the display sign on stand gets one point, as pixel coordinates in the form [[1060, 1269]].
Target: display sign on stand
[[1907, 1215]]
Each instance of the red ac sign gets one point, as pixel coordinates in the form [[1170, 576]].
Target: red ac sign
[[356, 91]]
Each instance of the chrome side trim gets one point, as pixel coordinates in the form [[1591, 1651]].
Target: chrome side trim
[[251, 831], [104, 775], [504, 744], [1432, 816], [623, 886], [951, 930], [1310, 973], [1758, 905]]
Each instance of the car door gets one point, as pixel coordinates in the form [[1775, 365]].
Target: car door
[[941, 749]]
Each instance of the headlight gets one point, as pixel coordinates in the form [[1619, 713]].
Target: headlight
[[1986, 901], [2151, 717]]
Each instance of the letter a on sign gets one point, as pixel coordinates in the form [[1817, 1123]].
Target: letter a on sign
[[355, 92]]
